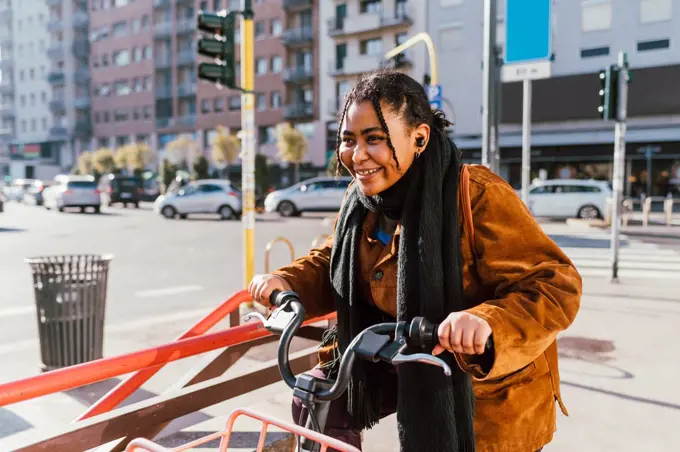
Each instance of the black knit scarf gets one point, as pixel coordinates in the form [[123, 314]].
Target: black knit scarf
[[434, 412]]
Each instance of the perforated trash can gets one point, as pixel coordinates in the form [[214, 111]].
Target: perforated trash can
[[70, 297]]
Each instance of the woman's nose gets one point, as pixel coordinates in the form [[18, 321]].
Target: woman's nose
[[360, 154]]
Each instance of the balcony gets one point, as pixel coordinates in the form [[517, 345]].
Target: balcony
[[295, 5], [186, 57], [298, 110], [164, 92], [82, 102], [56, 52], [6, 87], [164, 123], [80, 20], [186, 121], [298, 74], [56, 24], [161, 3], [82, 76], [7, 62], [361, 23], [333, 107], [6, 15], [186, 26], [5, 35], [58, 133], [7, 110], [187, 89], [298, 36], [162, 30], [81, 49], [83, 128], [354, 65], [56, 77], [57, 106], [6, 132], [162, 62]]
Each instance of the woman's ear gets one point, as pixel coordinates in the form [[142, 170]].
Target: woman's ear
[[422, 137]]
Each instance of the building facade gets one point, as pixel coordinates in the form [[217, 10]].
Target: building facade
[[354, 37], [568, 137], [7, 113]]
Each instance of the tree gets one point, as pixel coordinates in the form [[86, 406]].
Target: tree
[[168, 172], [225, 147], [261, 173], [332, 167], [85, 165], [292, 146], [201, 168], [103, 161], [180, 151], [120, 158], [133, 157]]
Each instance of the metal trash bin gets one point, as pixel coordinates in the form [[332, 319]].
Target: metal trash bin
[[70, 297]]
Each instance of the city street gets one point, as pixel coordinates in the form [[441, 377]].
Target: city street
[[617, 361]]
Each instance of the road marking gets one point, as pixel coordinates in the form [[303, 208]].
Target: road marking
[[17, 310], [167, 291]]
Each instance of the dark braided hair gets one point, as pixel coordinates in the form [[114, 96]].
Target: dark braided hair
[[402, 94]]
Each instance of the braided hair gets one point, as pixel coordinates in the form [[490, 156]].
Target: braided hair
[[401, 94]]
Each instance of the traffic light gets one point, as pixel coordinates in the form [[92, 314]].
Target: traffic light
[[219, 46], [609, 93]]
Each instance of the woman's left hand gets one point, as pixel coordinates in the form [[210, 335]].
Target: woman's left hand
[[463, 332]]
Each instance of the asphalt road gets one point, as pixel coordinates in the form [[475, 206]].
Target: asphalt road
[[165, 273]]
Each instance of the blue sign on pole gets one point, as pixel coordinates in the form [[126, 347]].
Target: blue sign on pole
[[434, 94], [528, 39]]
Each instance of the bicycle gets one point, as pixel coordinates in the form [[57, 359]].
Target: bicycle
[[381, 342]]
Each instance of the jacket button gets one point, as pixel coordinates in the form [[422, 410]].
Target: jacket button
[[378, 275]]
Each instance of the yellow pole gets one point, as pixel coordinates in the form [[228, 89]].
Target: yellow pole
[[248, 140], [420, 37]]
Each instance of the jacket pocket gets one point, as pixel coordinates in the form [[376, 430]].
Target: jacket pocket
[[492, 389]]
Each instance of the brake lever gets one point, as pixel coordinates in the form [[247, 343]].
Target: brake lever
[[277, 321], [424, 358]]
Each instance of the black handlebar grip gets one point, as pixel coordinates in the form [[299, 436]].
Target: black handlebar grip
[[273, 298], [423, 334]]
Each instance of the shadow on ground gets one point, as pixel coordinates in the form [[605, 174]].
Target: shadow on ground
[[583, 242], [10, 423]]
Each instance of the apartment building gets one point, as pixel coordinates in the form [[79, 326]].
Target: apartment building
[[568, 137], [7, 114], [68, 74], [355, 35]]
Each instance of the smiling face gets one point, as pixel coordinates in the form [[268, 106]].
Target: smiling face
[[365, 151]]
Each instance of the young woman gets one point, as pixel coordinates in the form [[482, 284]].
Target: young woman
[[399, 250]]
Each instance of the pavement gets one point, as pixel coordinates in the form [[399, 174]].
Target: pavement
[[617, 366]]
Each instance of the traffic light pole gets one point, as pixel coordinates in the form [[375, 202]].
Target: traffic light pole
[[619, 161], [248, 138], [489, 71]]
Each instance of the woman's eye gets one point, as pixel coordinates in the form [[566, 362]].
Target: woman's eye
[[374, 139], [347, 141]]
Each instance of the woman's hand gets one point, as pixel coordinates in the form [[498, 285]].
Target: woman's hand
[[463, 332], [262, 286]]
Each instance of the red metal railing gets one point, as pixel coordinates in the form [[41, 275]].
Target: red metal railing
[[147, 359], [127, 387]]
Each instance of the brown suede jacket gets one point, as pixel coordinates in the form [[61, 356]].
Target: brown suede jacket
[[517, 279]]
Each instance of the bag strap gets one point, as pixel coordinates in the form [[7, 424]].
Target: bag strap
[[466, 207]]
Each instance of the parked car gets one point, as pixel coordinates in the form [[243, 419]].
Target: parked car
[[319, 194], [203, 196], [116, 188], [568, 198], [2, 202], [34, 194], [17, 189], [72, 191]]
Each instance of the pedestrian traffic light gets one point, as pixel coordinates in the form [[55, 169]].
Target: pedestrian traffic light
[[609, 93], [220, 45]]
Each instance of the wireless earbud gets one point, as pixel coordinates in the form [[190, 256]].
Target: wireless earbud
[[420, 142]]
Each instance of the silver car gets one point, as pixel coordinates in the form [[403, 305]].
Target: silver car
[[72, 191], [319, 194], [204, 196]]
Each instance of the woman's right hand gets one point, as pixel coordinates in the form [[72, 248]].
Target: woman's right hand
[[262, 286]]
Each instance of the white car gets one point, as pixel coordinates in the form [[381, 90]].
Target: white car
[[569, 198], [72, 191], [18, 188], [319, 194], [203, 196]]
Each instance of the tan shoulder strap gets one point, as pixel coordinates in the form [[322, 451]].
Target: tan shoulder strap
[[466, 207]]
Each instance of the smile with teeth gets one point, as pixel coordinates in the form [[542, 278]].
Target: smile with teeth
[[367, 172]]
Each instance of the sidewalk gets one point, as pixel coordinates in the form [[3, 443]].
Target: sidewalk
[[633, 229]]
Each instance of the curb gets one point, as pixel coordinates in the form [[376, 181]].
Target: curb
[[601, 225]]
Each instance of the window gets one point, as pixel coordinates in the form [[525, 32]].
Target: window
[[22, 100], [371, 47], [21, 75], [96, 117], [105, 116], [655, 11], [119, 29], [596, 15], [205, 106], [105, 60], [659, 44], [147, 83], [234, 103], [121, 115], [277, 64], [261, 102], [31, 74], [121, 57], [276, 99], [147, 53], [276, 27], [308, 95], [260, 66], [32, 99], [122, 87], [34, 125], [136, 113], [137, 54], [145, 22], [44, 123], [218, 105], [259, 29], [340, 55], [266, 134], [137, 85], [136, 26], [23, 125], [543, 189], [451, 37], [147, 112], [595, 52], [370, 6], [95, 61]]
